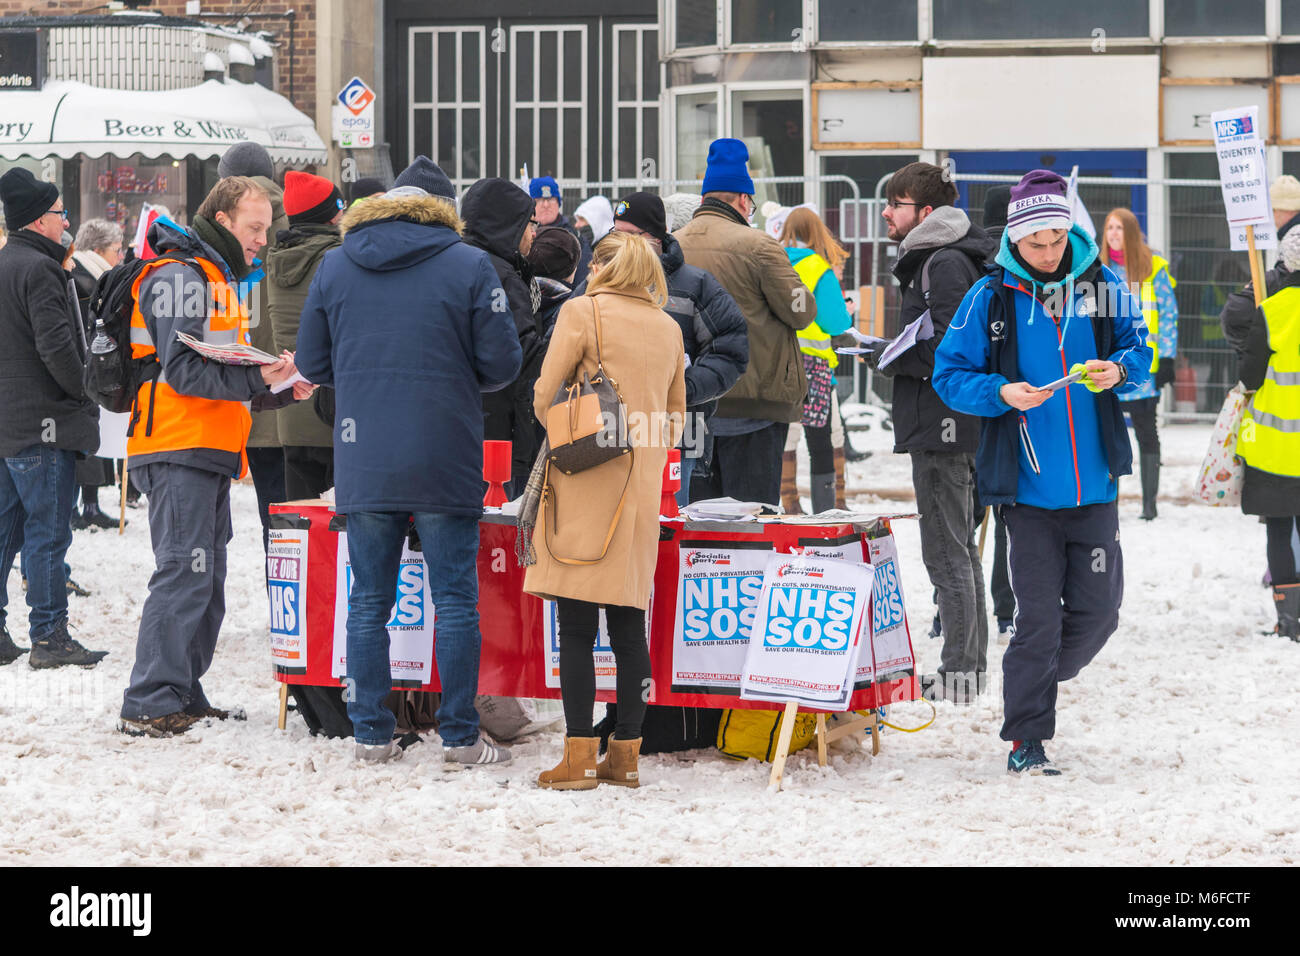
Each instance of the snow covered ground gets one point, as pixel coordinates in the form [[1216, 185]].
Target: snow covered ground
[[1178, 741]]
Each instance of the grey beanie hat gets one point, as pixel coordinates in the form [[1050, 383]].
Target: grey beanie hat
[[246, 159]]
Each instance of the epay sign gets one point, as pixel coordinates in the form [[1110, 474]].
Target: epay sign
[[354, 115]]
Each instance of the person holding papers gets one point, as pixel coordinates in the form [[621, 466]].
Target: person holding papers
[[1049, 458], [187, 440], [940, 256]]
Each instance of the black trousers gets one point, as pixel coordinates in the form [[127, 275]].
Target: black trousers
[[308, 471], [266, 466], [1143, 413], [578, 623], [1281, 559], [821, 453], [745, 467]]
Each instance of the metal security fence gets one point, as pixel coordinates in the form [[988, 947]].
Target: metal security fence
[[1191, 232]]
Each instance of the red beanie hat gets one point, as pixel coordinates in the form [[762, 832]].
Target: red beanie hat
[[309, 198]]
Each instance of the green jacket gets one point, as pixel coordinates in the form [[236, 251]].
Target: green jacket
[[264, 433], [290, 267]]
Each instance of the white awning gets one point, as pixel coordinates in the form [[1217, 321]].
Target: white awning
[[67, 118]]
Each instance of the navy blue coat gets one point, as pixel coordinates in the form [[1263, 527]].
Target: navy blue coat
[[410, 325]]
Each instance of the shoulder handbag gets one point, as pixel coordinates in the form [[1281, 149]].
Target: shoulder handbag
[[586, 424]]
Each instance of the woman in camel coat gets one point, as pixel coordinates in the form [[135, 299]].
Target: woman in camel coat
[[642, 351]]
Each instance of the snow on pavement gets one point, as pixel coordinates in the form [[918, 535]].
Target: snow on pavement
[[1176, 741]]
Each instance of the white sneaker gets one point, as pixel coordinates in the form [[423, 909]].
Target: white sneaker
[[481, 753], [378, 753]]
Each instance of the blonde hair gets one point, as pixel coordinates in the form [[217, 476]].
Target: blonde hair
[[628, 263], [804, 225]]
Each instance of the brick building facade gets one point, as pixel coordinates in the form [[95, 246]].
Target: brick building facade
[[298, 67]]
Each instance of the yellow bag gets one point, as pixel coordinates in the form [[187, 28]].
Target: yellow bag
[[753, 733]]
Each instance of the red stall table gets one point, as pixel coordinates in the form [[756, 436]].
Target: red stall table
[[518, 657]]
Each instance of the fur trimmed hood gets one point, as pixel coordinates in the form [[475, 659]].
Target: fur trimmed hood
[[424, 210], [386, 234]]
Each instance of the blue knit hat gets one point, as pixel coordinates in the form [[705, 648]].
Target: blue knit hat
[[544, 187], [425, 174], [727, 172]]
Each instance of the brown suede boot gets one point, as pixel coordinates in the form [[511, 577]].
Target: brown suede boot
[[841, 502], [790, 484], [619, 765], [577, 770]]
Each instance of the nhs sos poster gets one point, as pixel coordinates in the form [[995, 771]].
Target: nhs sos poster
[[410, 621], [286, 587]]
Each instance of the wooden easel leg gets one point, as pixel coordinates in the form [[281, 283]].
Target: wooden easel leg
[[782, 745], [121, 517], [875, 733], [284, 705], [821, 740]]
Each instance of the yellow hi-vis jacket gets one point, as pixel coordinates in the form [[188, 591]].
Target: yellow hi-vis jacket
[[813, 340], [1149, 309], [1269, 437]]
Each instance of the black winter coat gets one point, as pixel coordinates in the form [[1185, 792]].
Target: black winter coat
[[921, 419], [496, 213], [714, 332], [42, 359]]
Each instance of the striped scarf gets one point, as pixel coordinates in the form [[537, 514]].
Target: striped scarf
[[529, 505]]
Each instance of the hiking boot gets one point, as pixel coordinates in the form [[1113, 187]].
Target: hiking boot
[[789, 486], [216, 713], [79, 521], [577, 768], [481, 753], [959, 689], [9, 651], [1287, 598], [619, 766], [57, 649], [1006, 631], [378, 753], [77, 589], [169, 725], [1027, 759]]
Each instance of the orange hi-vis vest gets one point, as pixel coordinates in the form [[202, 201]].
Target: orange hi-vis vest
[[178, 422]]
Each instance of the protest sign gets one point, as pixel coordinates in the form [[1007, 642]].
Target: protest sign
[[286, 586], [891, 644], [805, 640], [410, 622], [717, 590], [1242, 174], [606, 666]]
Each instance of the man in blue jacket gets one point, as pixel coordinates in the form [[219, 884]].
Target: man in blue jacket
[[1049, 458], [410, 325]]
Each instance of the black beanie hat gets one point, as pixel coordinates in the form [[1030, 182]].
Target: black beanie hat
[[995, 205], [425, 174], [25, 198], [363, 187], [645, 211], [555, 253]]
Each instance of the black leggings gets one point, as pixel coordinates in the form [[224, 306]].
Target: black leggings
[[821, 454], [1143, 413], [578, 621], [1281, 559]]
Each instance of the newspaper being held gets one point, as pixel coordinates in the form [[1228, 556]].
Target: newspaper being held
[[232, 354], [725, 509], [918, 330]]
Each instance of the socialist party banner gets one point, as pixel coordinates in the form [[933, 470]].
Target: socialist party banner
[[606, 669], [717, 590], [805, 641], [286, 586], [891, 645], [410, 624]]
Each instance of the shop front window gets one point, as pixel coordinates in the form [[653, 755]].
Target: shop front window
[[766, 21], [1041, 19], [1213, 18], [771, 124], [697, 127], [697, 23], [841, 21], [116, 188]]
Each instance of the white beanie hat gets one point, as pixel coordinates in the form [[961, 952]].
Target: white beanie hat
[[1284, 194], [1289, 250]]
